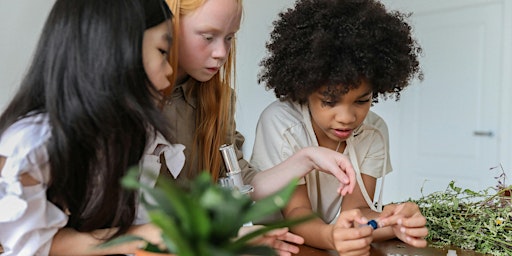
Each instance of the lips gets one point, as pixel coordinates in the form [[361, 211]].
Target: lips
[[213, 70], [343, 133]]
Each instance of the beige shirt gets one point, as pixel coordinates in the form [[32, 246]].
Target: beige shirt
[[181, 110], [284, 128]]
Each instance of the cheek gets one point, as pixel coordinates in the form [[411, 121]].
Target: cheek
[[362, 113], [191, 44], [156, 75], [321, 116]]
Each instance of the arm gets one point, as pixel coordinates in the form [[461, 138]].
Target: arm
[[68, 241], [349, 235], [315, 232], [301, 163]]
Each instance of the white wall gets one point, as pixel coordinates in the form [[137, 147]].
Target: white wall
[[21, 22], [252, 97], [254, 32]]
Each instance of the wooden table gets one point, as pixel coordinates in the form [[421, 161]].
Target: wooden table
[[385, 249], [392, 247]]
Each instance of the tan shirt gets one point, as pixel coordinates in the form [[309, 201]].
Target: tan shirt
[[181, 109], [284, 128]]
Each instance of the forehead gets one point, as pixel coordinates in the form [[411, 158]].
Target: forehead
[[162, 31], [335, 91], [224, 15]]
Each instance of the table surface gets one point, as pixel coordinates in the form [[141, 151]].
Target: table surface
[[386, 248], [392, 247]]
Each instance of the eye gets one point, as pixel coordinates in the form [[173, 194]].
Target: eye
[[230, 38], [362, 102], [163, 52], [328, 103], [208, 37]]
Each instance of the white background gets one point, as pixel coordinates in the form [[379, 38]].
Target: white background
[[21, 22]]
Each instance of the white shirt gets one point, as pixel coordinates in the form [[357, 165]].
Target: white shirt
[[28, 221], [284, 128]]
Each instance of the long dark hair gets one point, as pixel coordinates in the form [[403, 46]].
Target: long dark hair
[[87, 74]]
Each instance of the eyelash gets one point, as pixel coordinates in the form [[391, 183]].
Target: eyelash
[[362, 102], [333, 103], [163, 52], [328, 103], [210, 38]]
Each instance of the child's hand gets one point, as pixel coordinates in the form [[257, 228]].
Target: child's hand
[[330, 161], [279, 239], [351, 235], [407, 222]]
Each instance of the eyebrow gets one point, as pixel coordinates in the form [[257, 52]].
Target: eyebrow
[[206, 28], [167, 37], [365, 94]]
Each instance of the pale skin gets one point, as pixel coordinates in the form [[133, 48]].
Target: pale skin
[[333, 122], [205, 40]]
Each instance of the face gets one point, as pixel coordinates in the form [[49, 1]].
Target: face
[[334, 120], [155, 54], [206, 36]]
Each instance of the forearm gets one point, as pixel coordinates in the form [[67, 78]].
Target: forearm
[[315, 232], [71, 242], [269, 181]]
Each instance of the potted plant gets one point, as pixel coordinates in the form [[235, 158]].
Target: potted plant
[[201, 218]]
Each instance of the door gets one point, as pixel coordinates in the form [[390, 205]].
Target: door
[[447, 127]]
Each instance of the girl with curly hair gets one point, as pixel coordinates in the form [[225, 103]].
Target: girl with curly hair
[[328, 61]]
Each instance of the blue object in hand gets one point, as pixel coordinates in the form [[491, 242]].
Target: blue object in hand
[[373, 223]]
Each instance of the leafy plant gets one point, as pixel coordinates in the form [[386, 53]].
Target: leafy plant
[[201, 218], [475, 220]]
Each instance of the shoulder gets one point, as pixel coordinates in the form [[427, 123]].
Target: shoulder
[[283, 113], [25, 135], [373, 128], [373, 120]]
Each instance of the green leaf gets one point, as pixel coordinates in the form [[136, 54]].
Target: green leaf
[[170, 230], [243, 241], [271, 204]]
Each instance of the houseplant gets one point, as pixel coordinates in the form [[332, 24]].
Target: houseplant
[[202, 218]]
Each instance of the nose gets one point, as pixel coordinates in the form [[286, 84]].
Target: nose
[[221, 50], [168, 70], [345, 115]]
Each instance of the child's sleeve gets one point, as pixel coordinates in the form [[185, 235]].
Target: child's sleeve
[[28, 221], [272, 142]]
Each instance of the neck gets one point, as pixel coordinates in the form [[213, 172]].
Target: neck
[[338, 147]]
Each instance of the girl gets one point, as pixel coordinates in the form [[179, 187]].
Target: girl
[[83, 115], [328, 62], [200, 107]]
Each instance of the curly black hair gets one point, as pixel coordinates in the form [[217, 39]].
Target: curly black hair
[[340, 42]]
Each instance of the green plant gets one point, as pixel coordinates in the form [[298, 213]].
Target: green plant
[[476, 220], [201, 218]]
